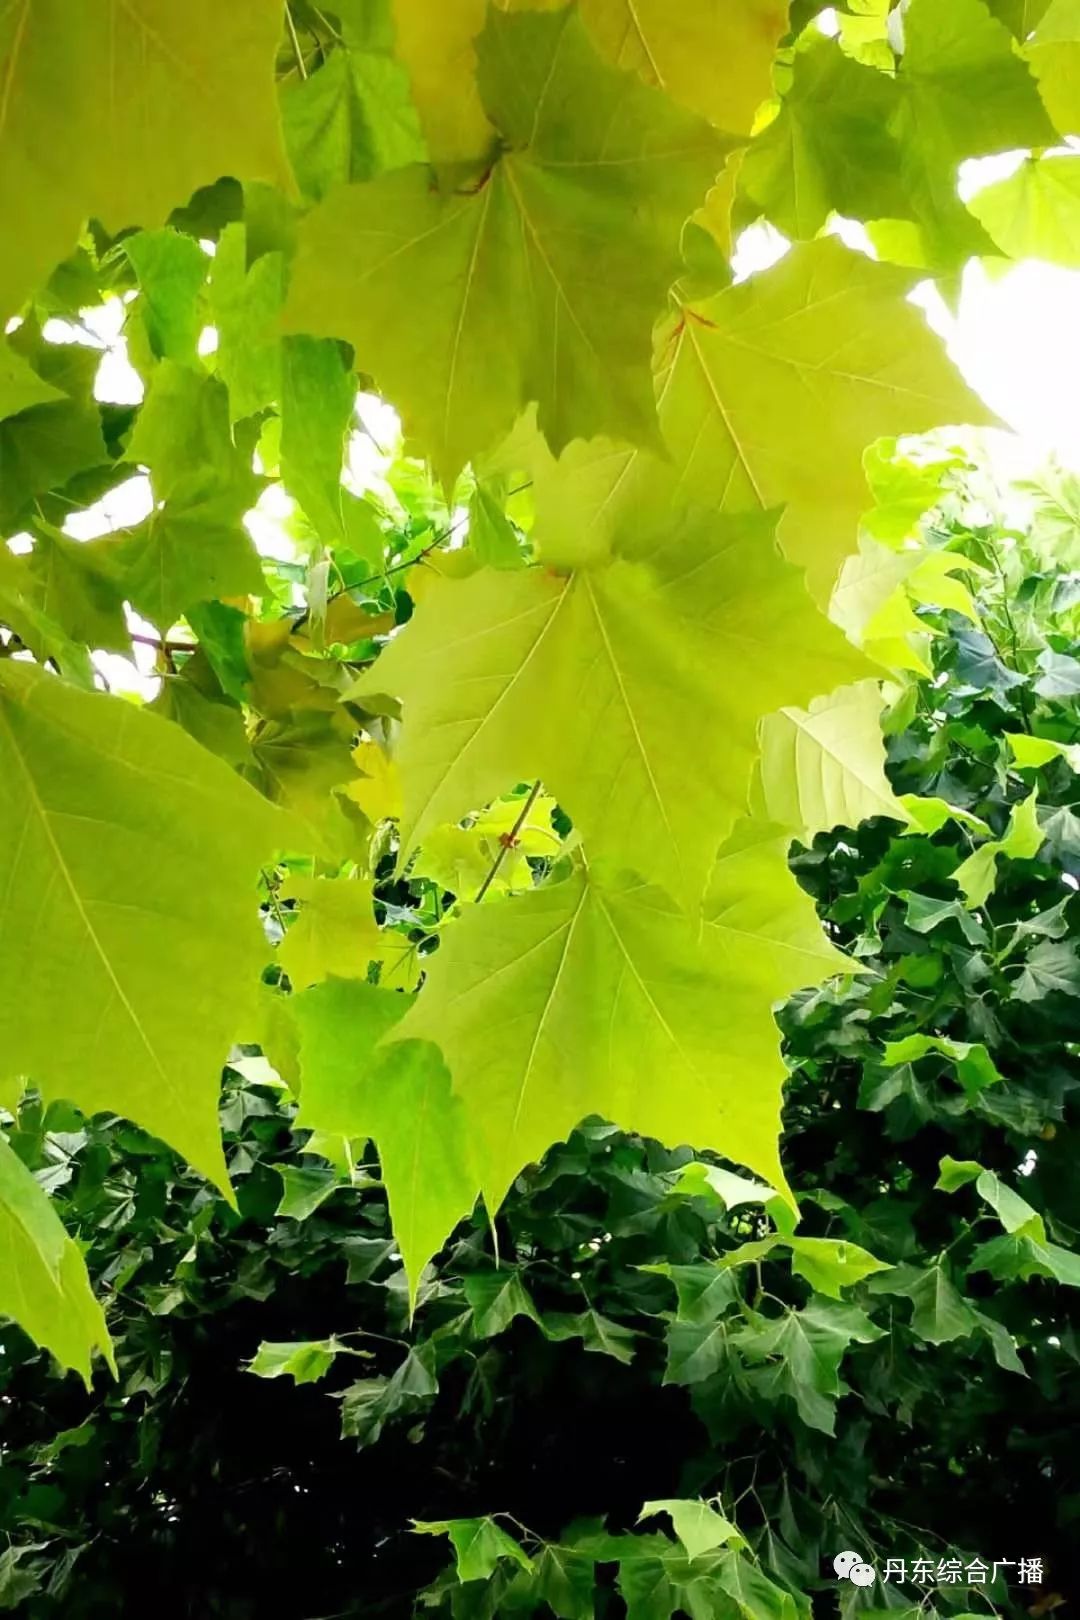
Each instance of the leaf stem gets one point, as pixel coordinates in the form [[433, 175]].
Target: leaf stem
[[163, 646], [297, 52], [409, 562], [508, 841]]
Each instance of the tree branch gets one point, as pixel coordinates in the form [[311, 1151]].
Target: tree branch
[[507, 841]]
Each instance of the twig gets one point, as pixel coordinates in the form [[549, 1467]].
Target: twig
[[297, 52], [508, 840], [328, 25], [163, 646], [271, 895], [409, 562], [1022, 695]]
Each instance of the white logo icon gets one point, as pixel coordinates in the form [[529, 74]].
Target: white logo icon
[[849, 1566]]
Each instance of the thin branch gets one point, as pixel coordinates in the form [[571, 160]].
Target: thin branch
[[271, 894], [328, 25], [409, 562], [163, 646], [508, 840], [297, 52]]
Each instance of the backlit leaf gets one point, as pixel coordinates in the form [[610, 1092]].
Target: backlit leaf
[[193, 546], [518, 264], [768, 394], [43, 1281], [570, 955], [135, 853], [823, 767], [400, 1096], [510, 676], [172, 76]]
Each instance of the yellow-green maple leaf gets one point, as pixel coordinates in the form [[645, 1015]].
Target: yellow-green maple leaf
[[824, 767], [401, 1096], [119, 110], [334, 933], [43, 1281], [460, 859], [557, 260], [1035, 213], [193, 546], [1054, 55], [301, 762], [768, 394], [377, 790], [128, 858], [633, 690], [714, 56], [596, 995]]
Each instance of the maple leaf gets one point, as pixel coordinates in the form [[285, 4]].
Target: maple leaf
[[20, 386], [574, 999], [134, 853], [165, 320], [172, 76], [335, 932], [1035, 213], [193, 546], [245, 304], [75, 583], [587, 682], [42, 446], [886, 147], [809, 1346], [350, 120], [43, 1281], [401, 1096], [520, 263], [824, 767], [768, 394], [1054, 54], [714, 56]]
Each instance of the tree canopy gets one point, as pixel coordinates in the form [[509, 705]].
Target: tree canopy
[[452, 811]]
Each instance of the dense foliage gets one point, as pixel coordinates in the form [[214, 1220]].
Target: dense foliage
[[906, 1382], [450, 805]]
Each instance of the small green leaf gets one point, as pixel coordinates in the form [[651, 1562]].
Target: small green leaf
[[1051, 968], [699, 1178], [496, 1298], [1014, 1213], [303, 1190], [831, 1264], [940, 1314], [975, 1068], [957, 1173], [478, 1545], [597, 1333], [171, 269], [697, 1525], [305, 1362], [350, 120]]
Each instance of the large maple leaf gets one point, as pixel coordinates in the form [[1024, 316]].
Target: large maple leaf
[[119, 110], [597, 996], [556, 261], [128, 862], [633, 690], [768, 394]]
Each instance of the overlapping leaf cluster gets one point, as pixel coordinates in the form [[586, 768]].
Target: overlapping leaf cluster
[[648, 1330], [514, 224]]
